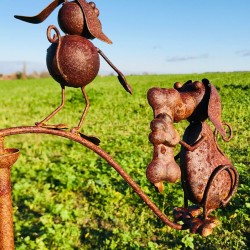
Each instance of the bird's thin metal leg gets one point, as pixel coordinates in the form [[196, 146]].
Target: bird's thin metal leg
[[84, 112], [42, 123]]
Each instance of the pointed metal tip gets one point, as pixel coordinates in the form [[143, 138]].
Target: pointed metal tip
[[159, 186], [124, 83], [33, 20]]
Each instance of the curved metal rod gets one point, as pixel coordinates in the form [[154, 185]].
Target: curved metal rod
[[39, 18], [226, 139], [214, 174], [102, 154]]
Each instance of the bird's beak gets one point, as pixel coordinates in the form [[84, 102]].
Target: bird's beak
[[159, 186]]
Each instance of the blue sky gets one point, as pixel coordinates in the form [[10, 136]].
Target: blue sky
[[164, 36]]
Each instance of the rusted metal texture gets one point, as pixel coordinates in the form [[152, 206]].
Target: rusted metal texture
[[7, 158], [208, 178], [72, 59], [85, 142], [164, 137], [74, 18]]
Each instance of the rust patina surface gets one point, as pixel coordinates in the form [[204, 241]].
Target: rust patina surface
[[72, 59], [208, 177]]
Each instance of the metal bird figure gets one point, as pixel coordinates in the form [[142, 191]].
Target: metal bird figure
[[72, 60]]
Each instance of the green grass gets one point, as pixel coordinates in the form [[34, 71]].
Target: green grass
[[66, 197]]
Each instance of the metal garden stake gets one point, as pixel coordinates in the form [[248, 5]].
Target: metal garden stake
[[208, 178]]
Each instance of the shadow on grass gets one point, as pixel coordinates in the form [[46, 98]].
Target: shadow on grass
[[95, 237]]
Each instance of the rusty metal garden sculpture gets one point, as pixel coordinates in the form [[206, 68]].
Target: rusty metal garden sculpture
[[208, 178], [73, 60]]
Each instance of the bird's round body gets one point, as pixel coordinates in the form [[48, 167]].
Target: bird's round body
[[73, 61]]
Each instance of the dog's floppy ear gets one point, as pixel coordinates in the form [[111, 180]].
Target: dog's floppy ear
[[214, 107]]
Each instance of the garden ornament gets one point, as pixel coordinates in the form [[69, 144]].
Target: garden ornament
[[208, 178], [73, 60]]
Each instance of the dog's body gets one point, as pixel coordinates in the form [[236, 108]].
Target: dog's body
[[200, 158]]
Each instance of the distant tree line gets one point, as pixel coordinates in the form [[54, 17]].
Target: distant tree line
[[23, 75]]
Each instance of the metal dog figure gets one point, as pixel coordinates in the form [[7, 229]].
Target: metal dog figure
[[208, 178]]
